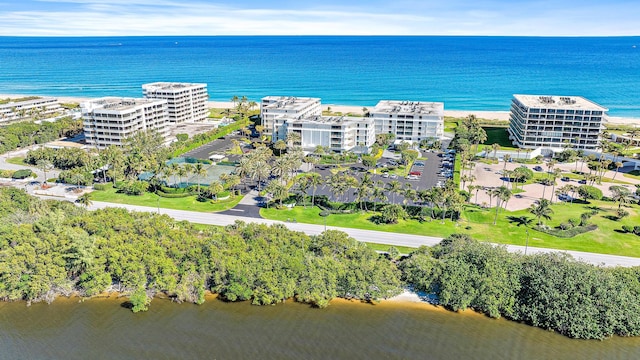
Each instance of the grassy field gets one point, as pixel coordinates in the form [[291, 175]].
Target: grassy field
[[479, 223], [17, 160], [190, 203], [497, 135]]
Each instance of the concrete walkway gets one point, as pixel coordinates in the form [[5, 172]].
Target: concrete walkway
[[378, 237]]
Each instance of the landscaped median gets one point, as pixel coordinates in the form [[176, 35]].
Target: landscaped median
[[189, 203], [606, 239]]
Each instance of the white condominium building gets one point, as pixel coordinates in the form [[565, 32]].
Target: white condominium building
[[275, 110], [555, 121], [409, 120], [110, 121], [337, 133], [186, 102], [38, 108]]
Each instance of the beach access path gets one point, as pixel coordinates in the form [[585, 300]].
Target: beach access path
[[371, 236]]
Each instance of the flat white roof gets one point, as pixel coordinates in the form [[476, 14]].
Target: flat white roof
[[331, 120], [116, 103], [409, 107], [171, 86], [558, 102], [287, 102]]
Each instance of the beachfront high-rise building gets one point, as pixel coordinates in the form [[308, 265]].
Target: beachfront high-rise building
[[276, 110], [110, 121], [409, 120], [555, 121], [29, 108], [186, 102], [337, 133]]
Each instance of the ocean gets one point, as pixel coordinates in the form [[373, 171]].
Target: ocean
[[466, 73]]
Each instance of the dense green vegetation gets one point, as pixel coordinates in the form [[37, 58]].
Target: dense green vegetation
[[50, 248], [28, 133], [551, 291]]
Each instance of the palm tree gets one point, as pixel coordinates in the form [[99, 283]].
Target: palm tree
[[190, 170], [215, 188], [181, 173], [302, 183], [230, 181], [620, 195], [502, 194], [394, 187], [380, 194], [234, 100], [44, 165], [554, 176], [315, 180], [85, 200], [280, 145], [293, 139], [495, 147], [618, 165], [541, 210], [199, 171]]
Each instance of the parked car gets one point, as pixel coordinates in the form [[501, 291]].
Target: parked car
[[582, 181], [418, 163], [416, 173], [412, 177], [537, 168], [393, 176], [385, 175], [565, 178]]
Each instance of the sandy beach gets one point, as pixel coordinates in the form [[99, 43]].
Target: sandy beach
[[356, 109]]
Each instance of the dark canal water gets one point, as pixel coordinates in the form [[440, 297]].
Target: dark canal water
[[102, 329]]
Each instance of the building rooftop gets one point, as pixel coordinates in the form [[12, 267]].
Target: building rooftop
[[288, 102], [171, 86], [409, 107], [115, 103], [338, 120], [558, 102]]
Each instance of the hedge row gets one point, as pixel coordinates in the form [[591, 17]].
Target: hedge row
[[569, 233], [175, 195]]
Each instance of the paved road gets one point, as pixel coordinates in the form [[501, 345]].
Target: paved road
[[378, 237], [23, 152]]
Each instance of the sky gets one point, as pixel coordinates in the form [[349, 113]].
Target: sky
[[312, 17]]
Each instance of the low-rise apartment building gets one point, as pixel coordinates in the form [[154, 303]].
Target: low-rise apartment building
[[412, 121], [186, 102], [276, 110], [110, 121], [337, 133], [554, 121], [29, 108]]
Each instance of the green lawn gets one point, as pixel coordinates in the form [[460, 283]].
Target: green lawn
[[635, 174], [479, 224], [497, 135], [18, 160], [150, 199]]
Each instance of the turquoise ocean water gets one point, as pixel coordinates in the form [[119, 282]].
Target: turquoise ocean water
[[479, 73]]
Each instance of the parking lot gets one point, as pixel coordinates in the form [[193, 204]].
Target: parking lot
[[429, 166], [218, 146]]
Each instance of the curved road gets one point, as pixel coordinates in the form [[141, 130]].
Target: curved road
[[378, 237]]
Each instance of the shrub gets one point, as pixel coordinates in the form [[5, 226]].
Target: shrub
[[182, 137], [6, 173], [627, 228], [569, 233], [21, 174], [173, 195], [101, 187], [135, 187], [590, 192]]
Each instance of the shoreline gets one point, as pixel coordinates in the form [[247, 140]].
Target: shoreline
[[497, 115]]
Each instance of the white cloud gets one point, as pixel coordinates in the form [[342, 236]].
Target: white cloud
[[168, 17]]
